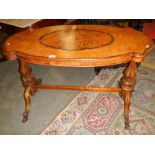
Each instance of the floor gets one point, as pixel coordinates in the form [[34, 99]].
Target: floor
[[46, 104]]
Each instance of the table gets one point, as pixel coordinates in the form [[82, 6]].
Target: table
[[78, 46]]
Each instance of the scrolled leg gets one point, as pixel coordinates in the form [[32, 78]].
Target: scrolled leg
[[27, 77], [28, 81], [27, 103], [127, 85], [127, 102]]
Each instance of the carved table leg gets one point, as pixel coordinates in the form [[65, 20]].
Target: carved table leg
[[27, 103], [127, 84], [28, 80], [27, 77]]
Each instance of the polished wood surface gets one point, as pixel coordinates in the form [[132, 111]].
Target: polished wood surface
[[78, 45], [82, 88]]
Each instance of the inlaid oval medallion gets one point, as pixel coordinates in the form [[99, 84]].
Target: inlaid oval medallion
[[72, 40]]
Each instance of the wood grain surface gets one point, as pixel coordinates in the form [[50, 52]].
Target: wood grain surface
[[77, 45]]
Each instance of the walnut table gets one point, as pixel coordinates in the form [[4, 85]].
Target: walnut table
[[78, 46]]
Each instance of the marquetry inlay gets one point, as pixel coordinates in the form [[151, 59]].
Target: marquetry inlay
[[72, 40]]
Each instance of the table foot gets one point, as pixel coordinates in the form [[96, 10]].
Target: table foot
[[127, 127], [25, 117]]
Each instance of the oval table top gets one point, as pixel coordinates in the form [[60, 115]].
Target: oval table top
[[78, 45]]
